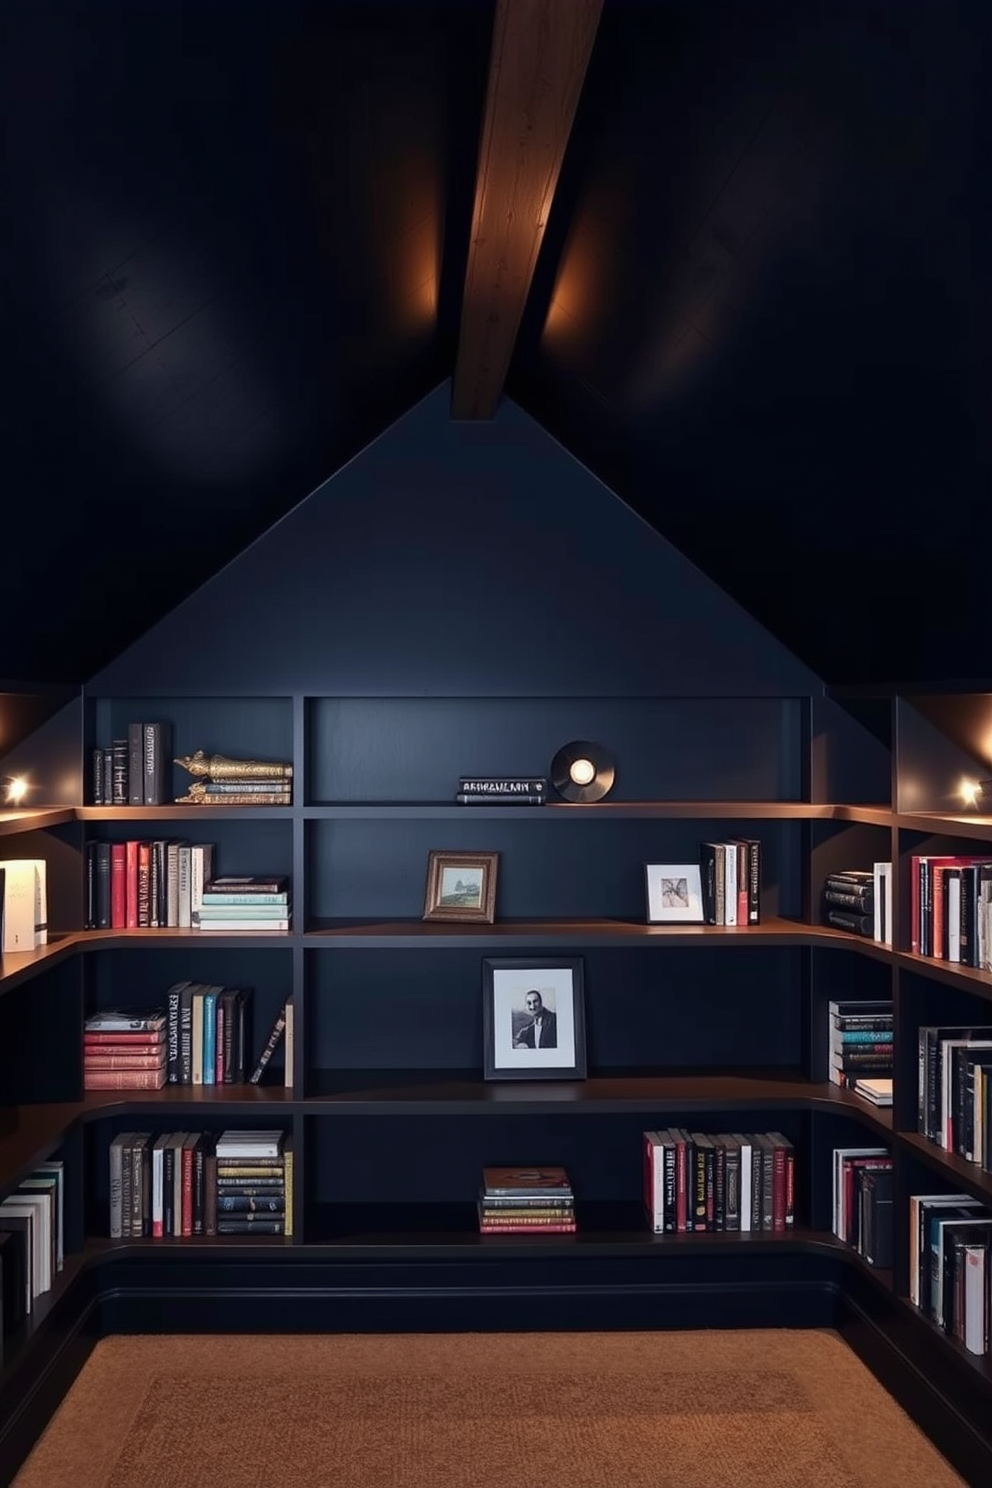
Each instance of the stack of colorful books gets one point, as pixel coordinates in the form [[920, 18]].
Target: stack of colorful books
[[249, 902], [124, 1049], [526, 1201]]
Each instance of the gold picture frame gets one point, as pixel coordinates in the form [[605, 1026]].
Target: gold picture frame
[[461, 886]]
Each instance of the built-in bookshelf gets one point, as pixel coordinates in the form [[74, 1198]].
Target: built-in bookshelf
[[710, 1027]]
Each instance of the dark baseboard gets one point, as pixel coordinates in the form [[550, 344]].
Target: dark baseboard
[[158, 1292]]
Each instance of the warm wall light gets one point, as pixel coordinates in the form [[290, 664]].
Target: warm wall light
[[972, 791], [14, 788]]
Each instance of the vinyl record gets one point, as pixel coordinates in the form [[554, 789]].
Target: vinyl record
[[582, 771]]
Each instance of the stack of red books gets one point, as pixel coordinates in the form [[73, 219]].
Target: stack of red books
[[124, 1049], [526, 1201]]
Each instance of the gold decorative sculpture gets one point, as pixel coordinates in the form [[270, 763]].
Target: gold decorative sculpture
[[220, 767]]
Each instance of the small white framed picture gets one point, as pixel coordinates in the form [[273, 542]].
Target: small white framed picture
[[674, 893]]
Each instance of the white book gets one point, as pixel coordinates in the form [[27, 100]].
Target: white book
[[201, 862], [184, 857], [976, 1283], [654, 1180], [248, 1144], [25, 904], [40, 1205], [158, 1186], [953, 881], [288, 1047], [883, 902], [48, 1183], [746, 1184], [730, 883], [58, 1168]]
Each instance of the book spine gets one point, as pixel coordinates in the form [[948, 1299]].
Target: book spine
[[135, 764], [119, 759], [156, 750]]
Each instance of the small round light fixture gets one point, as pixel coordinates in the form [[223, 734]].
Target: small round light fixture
[[14, 789], [582, 771]]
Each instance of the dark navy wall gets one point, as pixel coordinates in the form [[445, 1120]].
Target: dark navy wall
[[454, 558]]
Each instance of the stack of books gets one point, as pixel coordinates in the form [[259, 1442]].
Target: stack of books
[[508, 790], [222, 781], [254, 1183], [878, 1091], [861, 1045], [249, 902], [526, 1201], [124, 1049]]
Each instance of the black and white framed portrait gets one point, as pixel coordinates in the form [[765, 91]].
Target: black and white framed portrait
[[533, 1018], [674, 893]]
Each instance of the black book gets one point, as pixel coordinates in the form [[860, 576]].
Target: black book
[[96, 777], [135, 764], [157, 763], [119, 782], [13, 1280], [108, 776], [103, 904], [876, 1215]]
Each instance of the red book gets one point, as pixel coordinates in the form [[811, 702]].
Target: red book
[[131, 885], [119, 1060], [124, 1079], [140, 1042], [187, 1191], [487, 1227], [117, 886]]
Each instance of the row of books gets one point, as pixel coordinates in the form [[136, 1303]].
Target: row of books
[[730, 874], [136, 770], [178, 1185], [862, 1202], [695, 1182], [955, 1090], [154, 884], [950, 1237], [859, 900], [861, 1047], [32, 1241], [201, 1037], [951, 909], [526, 1201]]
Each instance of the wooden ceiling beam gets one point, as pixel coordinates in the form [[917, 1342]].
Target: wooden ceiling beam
[[537, 66]]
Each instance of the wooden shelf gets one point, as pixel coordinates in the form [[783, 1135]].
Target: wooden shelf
[[967, 978], [457, 1092], [37, 1131], [589, 932], [555, 810], [20, 966], [182, 811], [966, 824], [34, 819], [970, 1175], [980, 1365], [602, 1226], [186, 939]]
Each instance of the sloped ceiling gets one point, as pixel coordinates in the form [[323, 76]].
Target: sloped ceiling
[[233, 244]]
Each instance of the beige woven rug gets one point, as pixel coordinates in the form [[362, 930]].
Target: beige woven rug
[[778, 1409]]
